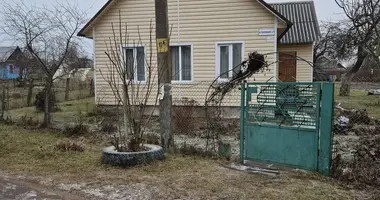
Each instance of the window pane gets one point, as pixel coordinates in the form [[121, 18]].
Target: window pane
[[224, 61], [186, 63], [175, 63], [237, 57], [129, 62], [140, 64]]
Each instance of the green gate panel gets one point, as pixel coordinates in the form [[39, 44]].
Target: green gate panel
[[326, 137], [287, 147], [287, 124]]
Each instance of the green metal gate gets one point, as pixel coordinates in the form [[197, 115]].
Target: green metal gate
[[288, 124]]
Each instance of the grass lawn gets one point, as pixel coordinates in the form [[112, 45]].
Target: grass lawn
[[359, 99], [70, 111], [32, 153]]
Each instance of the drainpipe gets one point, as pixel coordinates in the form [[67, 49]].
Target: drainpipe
[[178, 23]]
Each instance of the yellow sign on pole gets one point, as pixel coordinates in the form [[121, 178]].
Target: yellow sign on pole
[[162, 45]]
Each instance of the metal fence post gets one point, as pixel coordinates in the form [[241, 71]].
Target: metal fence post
[[242, 120], [326, 135]]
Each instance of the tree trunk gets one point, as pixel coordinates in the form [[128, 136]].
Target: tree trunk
[[30, 92], [345, 87], [92, 88], [2, 104], [8, 96], [125, 109], [47, 114], [347, 79], [67, 89]]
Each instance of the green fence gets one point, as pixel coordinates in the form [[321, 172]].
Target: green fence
[[288, 124]]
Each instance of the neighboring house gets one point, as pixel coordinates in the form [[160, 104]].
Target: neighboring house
[[9, 63], [327, 69], [209, 37]]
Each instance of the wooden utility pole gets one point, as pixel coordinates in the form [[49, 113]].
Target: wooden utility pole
[[163, 64]]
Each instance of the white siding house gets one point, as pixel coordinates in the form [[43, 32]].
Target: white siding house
[[207, 37]]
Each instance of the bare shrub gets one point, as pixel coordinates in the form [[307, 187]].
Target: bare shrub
[[108, 127], [67, 145], [26, 121], [16, 95], [7, 121], [98, 111], [191, 150], [183, 116], [124, 78], [151, 138], [39, 103], [76, 130]]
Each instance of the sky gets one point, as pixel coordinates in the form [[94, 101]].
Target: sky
[[327, 10]]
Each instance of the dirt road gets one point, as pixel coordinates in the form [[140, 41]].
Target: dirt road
[[11, 189]]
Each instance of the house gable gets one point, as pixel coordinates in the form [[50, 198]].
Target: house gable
[[86, 31]]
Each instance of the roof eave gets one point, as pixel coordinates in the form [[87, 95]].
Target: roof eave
[[289, 24], [296, 43], [81, 33]]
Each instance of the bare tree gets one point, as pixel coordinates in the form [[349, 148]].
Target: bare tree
[[335, 41], [364, 17], [31, 72], [47, 33], [132, 79]]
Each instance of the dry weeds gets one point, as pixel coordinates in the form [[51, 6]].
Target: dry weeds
[[32, 153]]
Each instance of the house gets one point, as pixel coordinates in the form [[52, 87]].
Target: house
[[10, 68], [209, 37], [325, 69]]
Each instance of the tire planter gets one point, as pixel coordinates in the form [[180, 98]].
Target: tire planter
[[129, 159]]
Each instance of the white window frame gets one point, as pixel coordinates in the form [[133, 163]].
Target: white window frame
[[217, 57], [134, 47], [180, 62]]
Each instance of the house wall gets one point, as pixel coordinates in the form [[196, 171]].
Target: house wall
[[202, 23], [304, 69], [5, 72]]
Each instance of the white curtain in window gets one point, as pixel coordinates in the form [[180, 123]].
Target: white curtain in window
[[237, 57], [186, 63], [175, 62], [224, 61]]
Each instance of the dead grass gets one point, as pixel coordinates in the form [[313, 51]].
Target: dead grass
[[359, 99], [70, 111], [32, 152]]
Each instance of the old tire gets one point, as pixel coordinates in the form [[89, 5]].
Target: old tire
[[129, 159]]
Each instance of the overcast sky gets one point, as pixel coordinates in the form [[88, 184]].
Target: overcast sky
[[327, 10]]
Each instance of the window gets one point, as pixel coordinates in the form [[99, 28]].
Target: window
[[11, 69], [135, 63], [181, 62], [229, 55]]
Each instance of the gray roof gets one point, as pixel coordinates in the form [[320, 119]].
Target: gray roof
[[305, 27], [6, 52]]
